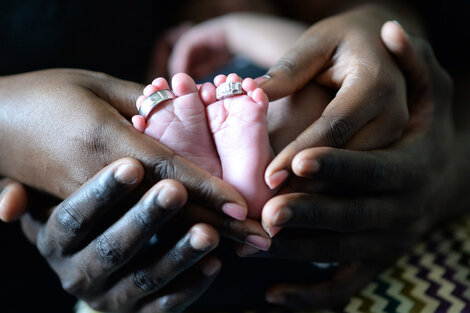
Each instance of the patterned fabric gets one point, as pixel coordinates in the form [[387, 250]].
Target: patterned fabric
[[433, 277]]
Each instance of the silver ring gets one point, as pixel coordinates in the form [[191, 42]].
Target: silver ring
[[152, 101], [228, 89]]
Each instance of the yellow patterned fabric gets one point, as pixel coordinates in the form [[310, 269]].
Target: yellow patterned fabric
[[433, 277]]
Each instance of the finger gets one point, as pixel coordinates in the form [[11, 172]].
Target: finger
[[197, 243], [390, 125], [116, 246], [248, 231], [354, 106], [422, 70], [344, 214], [76, 216], [186, 289], [398, 43], [372, 171], [122, 140], [13, 200], [335, 293], [207, 93], [299, 65]]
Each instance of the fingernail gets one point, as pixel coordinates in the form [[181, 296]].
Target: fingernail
[[271, 230], [166, 199], [246, 250], [274, 230], [126, 174], [277, 179], [199, 240], [262, 79], [274, 298], [258, 242], [397, 22], [235, 210], [282, 216], [307, 167], [211, 267]]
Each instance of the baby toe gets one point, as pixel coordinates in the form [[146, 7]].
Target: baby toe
[[150, 89], [249, 84], [139, 123], [219, 79], [183, 84], [234, 78], [139, 101], [260, 98], [161, 83], [207, 94]]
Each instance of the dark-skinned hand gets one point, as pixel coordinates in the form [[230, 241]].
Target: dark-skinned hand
[[97, 241], [364, 209]]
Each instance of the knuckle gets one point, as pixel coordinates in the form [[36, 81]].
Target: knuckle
[[165, 168], [177, 258], [145, 281], [109, 250], [338, 131], [69, 218], [144, 220], [74, 282], [288, 65], [229, 226]]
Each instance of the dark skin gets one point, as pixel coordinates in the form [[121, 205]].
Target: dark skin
[[400, 156], [117, 279], [410, 184], [90, 111]]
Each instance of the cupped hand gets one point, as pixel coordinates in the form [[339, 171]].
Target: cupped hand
[[60, 127], [379, 203], [344, 53], [97, 241]]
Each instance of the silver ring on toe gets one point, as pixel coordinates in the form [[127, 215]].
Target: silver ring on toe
[[228, 89], [152, 101]]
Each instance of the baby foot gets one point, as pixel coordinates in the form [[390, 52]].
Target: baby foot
[[240, 131], [180, 123]]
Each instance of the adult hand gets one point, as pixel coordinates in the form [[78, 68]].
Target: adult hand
[[69, 124], [344, 53], [386, 200], [94, 241]]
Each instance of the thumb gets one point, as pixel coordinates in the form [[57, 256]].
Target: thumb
[[299, 65]]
